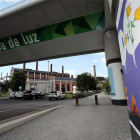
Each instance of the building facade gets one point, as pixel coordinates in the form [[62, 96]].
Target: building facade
[[45, 81]]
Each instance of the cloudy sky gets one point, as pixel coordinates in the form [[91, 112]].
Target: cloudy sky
[[73, 65]]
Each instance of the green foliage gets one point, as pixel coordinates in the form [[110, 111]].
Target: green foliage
[[18, 79], [107, 87], [85, 81], [5, 87], [83, 95], [98, 88]]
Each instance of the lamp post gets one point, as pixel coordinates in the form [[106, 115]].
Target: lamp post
[[48, 77]]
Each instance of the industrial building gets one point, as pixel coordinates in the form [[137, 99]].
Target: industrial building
[[46, 81]]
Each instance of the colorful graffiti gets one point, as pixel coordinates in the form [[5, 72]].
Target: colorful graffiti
[[111, 81], [129, 42], [87, 23]]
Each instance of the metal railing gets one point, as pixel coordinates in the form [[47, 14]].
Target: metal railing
[[14, 6]]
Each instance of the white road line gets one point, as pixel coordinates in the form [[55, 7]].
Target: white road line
[[9, 109], [138, 132]]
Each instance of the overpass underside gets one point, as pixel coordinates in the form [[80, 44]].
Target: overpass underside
[[53, 29]]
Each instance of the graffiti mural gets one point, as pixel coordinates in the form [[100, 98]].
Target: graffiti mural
[[129, 41]]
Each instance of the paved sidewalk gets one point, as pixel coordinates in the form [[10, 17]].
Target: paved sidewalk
[[84, 122]]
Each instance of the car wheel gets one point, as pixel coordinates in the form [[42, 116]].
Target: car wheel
[[15, 97], [10, 97], [42, 97], [64, 97], [58, 98], [50, 99]]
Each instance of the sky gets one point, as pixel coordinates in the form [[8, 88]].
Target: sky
[[73, 65]]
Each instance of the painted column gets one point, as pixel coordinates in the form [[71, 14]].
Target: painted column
[[128, 29], [46, 76], [113, 62]]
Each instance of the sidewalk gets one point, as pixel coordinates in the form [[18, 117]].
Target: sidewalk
[[84, 122]]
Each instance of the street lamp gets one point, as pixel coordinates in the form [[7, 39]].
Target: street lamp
[[48, 77]]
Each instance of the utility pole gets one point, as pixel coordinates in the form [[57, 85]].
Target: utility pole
[[48, 77]]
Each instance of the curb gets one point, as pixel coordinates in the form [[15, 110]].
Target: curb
[[14, 122]]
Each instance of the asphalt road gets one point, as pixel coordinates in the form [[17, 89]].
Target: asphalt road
[[10, 108], [70, 122]]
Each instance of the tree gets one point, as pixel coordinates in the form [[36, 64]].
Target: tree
[[18, 79], [85, 81]]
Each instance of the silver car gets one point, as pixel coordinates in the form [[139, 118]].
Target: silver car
[[12, 95], [56, 95], [19, 94]]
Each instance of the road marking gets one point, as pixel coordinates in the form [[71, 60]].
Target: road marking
[[10, 109]]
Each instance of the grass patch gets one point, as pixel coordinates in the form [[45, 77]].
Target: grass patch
[[69, 96], [4, 95]]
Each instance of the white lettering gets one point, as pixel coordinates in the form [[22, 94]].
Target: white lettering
[[35, 37], [11, 43], [23, 39], [2, 46], [16, 42], [30, 39]]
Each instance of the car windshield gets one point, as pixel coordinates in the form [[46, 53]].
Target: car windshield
[[12, 92], [53, 92]]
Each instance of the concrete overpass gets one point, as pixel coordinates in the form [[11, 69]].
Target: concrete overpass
[[33, 15]]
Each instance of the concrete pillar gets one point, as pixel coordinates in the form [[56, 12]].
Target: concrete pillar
[[66, 86], [60, 85], [46, 76], [71, 86], [114, 65], [27, 74], [40, 75], [54, 85], [34, 75]]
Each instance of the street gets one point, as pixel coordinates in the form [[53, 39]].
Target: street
[[70, 122], [10, 108]]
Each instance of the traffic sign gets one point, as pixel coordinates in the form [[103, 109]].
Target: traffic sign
[[0, 88], [20, 87]]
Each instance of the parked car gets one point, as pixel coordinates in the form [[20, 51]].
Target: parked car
[[12, 95], [33, 94], [19, 94], [56, 95]]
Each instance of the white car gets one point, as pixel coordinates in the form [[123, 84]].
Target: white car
[[19, 94], [12, 95], [56, 95]]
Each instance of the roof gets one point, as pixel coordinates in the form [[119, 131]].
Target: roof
[[30, 70]]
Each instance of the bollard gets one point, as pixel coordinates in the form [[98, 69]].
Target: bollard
[[96, 99], [77, 102]]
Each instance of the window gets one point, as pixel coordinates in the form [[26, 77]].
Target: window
[[63, 85], [68, 88], [57, 87]]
